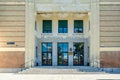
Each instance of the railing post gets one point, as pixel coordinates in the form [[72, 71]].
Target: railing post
[[31, 63]]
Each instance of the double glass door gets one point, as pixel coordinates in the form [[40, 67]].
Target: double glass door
[[78, 54], [62, 54], [46, 54]]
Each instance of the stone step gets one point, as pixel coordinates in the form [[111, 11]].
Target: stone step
[[61, 70]]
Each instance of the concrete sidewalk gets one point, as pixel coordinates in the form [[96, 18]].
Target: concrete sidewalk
[[13, 76]]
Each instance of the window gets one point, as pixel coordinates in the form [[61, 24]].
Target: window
[[78, 26], [62, 26], [47, 26]]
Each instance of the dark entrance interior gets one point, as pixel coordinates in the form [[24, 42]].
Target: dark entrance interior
[[78, 54]]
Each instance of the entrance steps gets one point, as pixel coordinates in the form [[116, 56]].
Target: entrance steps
[[61, 70]]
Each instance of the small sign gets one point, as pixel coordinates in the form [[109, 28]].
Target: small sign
[[10, 43], [70, 53]]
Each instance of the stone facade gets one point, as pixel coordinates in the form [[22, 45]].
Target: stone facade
[[109, 33], [18, 38], [12, 33]]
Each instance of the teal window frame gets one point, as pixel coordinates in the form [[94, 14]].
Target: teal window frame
[[47, 26], [63, 26], [78, 26]]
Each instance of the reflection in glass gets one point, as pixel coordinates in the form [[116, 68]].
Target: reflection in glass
[[78, 56], [62, 26], [62, 53], [46, 53], [78, 26], [47, 26]]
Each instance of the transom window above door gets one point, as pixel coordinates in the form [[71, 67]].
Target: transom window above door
[[78, 26], [63, 26], [47, 26]]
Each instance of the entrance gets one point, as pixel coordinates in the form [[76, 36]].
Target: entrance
[[78, 54], [46, 54], [62, 54]]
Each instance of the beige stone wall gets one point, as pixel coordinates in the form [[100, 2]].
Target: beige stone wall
[[12, 29], [110, 59], [11, 59], [109, 0], [110, 33], [63, 1], [12, 0], [12, 24], [110, 25]]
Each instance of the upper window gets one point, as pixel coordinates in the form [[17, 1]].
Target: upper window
[[47, 26], [62, 26], [78, 26]]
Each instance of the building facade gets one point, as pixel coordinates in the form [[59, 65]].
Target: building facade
[[59, 33]]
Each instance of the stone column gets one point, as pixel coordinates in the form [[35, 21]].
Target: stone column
[[70, 56], [54, 54], [94, 34], [55, 26], [70, 26], [39, 55], [85, 52], [29, 33]]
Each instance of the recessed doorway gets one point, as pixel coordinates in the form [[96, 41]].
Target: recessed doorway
[[47, 54], [78, 54], [62, 54]]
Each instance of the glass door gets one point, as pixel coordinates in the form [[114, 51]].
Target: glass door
[[78, 54], [63, 54], [46, 54]]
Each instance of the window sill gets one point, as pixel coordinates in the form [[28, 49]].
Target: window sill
[[63, 34], [78, 34], [47, 34]]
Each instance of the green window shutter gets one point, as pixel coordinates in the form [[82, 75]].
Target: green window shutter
[[47, 26]]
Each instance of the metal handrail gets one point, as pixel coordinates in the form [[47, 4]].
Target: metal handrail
[[31, 62]]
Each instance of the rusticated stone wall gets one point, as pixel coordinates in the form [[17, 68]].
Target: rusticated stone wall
[[12, 29], [110, 59]]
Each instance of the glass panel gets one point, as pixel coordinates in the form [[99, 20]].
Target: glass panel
[[78, 26], [60, 47], [81, 59], [47, 53], [78, 56], [44, 58], [49, 58], [65, 58], [62, 53], [75, 57], [47, 26], [60, 58], [62, 26], [49, 47], [44, 47], [65, 47]]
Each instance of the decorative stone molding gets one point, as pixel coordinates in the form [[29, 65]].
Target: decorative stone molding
[[63, 15], [79, 15], [46, 15]]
